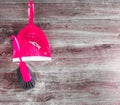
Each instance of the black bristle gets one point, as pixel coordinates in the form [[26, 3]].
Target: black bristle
[[23, 84], [30, 85], [19, 75]]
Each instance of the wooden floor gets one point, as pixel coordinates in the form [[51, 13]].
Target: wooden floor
[[84, 36]]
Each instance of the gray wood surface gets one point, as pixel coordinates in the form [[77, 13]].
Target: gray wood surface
[[84, 36]]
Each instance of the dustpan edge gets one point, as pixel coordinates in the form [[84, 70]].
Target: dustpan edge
[[33, 58]]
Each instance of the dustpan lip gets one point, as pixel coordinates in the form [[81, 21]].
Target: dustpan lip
[[33, 58]]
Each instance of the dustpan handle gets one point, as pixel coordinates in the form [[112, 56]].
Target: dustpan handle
[[31, 11]]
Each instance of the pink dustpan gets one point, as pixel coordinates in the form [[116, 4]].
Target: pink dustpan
[[32, 40]]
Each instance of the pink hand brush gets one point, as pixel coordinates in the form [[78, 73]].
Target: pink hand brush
[[25, 76]]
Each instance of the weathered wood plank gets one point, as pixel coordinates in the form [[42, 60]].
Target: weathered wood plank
[[68, 1], [55, 81], [93, 91], [84, 38], [80, 36], [79, 10]]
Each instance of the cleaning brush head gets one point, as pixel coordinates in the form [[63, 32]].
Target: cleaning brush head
[[23, 84]]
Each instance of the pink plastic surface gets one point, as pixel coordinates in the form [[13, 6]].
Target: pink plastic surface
[[32, 40]]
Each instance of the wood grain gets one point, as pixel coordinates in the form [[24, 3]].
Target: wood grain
[[84, 36]]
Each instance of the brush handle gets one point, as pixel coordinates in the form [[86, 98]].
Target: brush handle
[[31, 11], [16, 46]]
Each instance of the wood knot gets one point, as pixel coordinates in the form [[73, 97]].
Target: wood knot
[[106, 46], [44, 25], [45, 97]]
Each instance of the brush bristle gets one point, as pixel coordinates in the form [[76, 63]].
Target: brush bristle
[[23, 84]]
